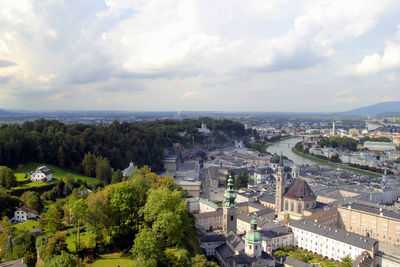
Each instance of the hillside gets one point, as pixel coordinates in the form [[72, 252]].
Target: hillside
[[380, 109]]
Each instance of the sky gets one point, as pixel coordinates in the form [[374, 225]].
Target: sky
[[213, 55]]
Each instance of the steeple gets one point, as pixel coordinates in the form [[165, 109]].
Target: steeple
[[253, 240], [280, 186], [230, 194], [281, 161], [229, 209]]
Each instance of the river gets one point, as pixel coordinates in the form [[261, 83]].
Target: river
[[285, 146]]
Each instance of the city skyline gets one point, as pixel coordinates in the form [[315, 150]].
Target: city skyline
[[275, 56]]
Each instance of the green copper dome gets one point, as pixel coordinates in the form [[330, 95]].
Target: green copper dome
[[253, 236], [230, 194]]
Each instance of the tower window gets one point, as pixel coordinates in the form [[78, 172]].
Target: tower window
[[231, 217]]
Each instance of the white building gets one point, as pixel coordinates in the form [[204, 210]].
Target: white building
[[42, 174], [24, 213], [379, 146], [204, 129], [128, 171], [330, 242]]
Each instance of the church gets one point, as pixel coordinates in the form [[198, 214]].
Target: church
[[296, 201], [240, 250]]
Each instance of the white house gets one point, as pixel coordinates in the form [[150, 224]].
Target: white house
[[24, 213], [42, 174], [330, 242]]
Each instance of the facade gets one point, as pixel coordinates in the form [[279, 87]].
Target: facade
[[25, 213], [371, 221], [330, 242], [210, 220], [379, 146], [42, 174]]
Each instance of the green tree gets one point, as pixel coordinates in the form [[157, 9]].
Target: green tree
[[51, 221], [242, 180], [165, 211], [177, 257], [117, 177], [147, 248], [200, 260], [23, 242], [89, 165], [99, 215], [79, 211], [32, 200], [7, 177], [61, 157], [346, 262], [103, 170], [56, 244], [6, 230], [63, 260]]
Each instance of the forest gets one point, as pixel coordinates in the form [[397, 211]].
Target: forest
[[50, 141]]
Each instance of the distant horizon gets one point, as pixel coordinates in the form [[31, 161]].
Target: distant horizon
[[210, 111]]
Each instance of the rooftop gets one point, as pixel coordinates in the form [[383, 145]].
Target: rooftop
[[335, 234]]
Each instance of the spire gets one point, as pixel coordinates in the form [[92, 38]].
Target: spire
[[254, 223], [230, 194], [281, 161]]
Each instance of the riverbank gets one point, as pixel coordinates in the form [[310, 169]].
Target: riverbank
[[326, 162], [285, 146]]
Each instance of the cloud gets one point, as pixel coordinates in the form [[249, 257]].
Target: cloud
[[390, 58], [6, 63], [189, 95], [142, 50], [392, 77], [344, 92]]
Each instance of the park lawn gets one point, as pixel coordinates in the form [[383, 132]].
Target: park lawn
[[85, 238], [58, 173], [30, 224], [112, 260]]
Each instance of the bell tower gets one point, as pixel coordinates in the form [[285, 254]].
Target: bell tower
[[280, 186], [229, 209]]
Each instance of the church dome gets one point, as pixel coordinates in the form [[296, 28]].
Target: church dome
[[253, 236]]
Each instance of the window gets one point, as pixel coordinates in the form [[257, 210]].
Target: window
[[231, 217]]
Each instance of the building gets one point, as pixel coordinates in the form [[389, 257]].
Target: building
[[25, 213], [128, 171], [379, 146], [247, 251], [295, 201], [229, 209], [330, 242], [371, 221], [204, 129], [42, 174]]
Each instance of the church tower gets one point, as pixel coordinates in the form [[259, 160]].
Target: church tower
[[229, 209], [253, 239], [280, 186]]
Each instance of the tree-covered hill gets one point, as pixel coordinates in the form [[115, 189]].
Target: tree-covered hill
[[64, 145]]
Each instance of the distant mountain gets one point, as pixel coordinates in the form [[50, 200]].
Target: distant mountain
[[380, 109], [4, 112]]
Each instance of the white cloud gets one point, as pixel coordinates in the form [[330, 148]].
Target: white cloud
[[390, 59], [147, 48], [189, 94]]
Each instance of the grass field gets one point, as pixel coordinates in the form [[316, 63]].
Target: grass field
[[113, 260], [85, 238], [27, 225], [58, 173], [322, 161]]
